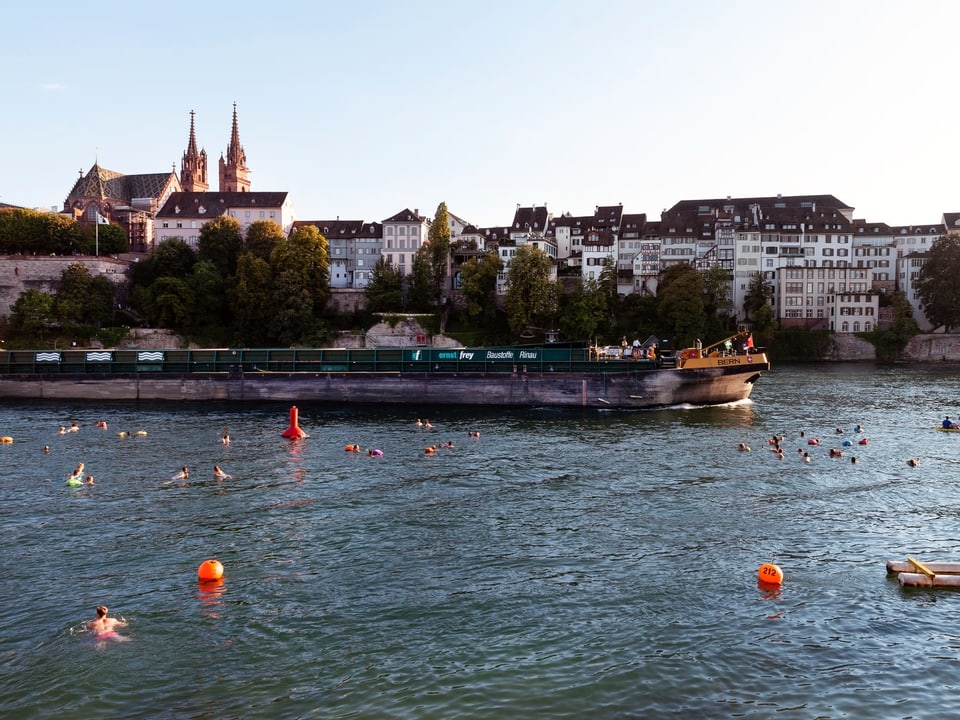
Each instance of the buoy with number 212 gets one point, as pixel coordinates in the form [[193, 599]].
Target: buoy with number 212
[[770, 573]]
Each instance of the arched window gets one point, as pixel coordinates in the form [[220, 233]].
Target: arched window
[[845, 327], [868, 326], [856, 326]]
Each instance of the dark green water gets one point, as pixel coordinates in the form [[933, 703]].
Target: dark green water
[[564, 565]]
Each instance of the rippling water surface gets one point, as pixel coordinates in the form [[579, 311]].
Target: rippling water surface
[[565, 565]]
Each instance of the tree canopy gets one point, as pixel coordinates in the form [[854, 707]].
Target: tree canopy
[[680, 296], [439, 251], [384, 292], [221, 242], [939, 283], [531, 299], [478, 284]]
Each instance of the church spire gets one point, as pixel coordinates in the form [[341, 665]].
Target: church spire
[[193, 168], [234, 174]]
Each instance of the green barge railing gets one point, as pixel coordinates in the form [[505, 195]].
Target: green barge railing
[[313, 360]]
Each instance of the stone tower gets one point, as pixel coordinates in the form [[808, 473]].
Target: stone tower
[[193, 167], [234, 174]]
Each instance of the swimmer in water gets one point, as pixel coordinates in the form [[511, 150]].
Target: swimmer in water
[[46, 448], [105, 628], [182, 475], [375, 453], [225, 440], [219, 474], [89, 480], [74, 428], [474, 434]]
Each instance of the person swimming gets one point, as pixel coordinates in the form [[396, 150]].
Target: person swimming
[[182, 475], [219, 474], [105, 628], [225, 440], [743, 447], [374, 452], [474, 434]]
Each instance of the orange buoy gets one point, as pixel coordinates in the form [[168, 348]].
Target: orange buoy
[[770, 573], [352, 448], [209, 571], [6, 439], [294, 430]]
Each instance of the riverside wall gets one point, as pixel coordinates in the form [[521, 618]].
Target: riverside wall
[[42, 272]]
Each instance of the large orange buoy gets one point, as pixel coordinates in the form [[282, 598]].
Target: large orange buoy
[[209, 571], [770, 574], [294, 430]]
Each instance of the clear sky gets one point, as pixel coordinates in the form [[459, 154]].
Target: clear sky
[[360, 109]]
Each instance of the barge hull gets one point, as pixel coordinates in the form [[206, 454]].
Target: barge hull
[[641, 389]]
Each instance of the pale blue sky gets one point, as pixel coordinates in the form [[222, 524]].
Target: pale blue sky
[[363, 108]]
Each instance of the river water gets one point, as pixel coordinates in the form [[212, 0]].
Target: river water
[[563, 565]]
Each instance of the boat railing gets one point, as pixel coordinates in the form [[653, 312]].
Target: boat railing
[[239, 361]]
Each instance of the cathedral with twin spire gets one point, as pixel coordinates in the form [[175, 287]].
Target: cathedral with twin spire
[[234, 173], [155, 206]]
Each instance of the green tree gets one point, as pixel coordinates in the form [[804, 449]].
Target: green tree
[[101, 301], [263, 237], [439, 252], [531, 298], [39, 233], [254, 301], [171, 303], [105, 240], [638, 317], [384, 292], [301, 272], [82, 299], [170, 258], [583, 311], [478, 284], [221, 242], [421, 291], [680, 294], [759, 293], [32, 313], [209, 294], [717, 302], [72, 295], [939, 283]]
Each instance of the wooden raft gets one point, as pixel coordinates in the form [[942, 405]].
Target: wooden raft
[[914, 573]]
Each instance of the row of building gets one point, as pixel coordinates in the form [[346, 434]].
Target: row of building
[[827, 268]]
